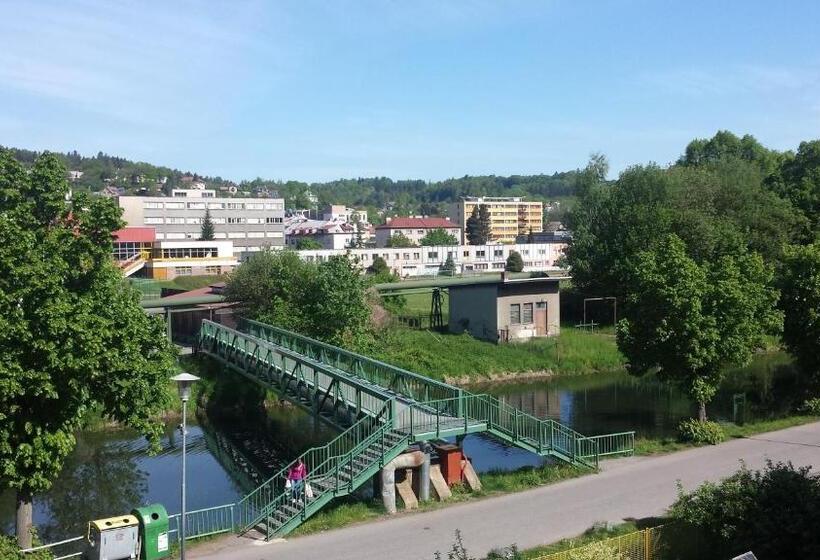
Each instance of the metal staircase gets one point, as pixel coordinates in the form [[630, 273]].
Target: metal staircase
[[381, 408], [336, 469]]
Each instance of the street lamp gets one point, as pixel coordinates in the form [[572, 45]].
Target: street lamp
[[184, 382]]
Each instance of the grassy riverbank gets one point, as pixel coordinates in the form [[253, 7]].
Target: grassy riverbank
[[349, 511], [466, 359], [655, 446]]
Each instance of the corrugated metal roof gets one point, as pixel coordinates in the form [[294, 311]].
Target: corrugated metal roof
[[135, 235]]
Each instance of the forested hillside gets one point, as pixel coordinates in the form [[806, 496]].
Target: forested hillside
[[376, 193]]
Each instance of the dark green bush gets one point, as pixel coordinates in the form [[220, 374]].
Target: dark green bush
[[700, 432], [775, 513]]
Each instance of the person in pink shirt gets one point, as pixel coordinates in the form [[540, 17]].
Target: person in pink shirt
[[296, 476]]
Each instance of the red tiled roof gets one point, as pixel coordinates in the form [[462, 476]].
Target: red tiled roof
[[420, 223], [136, 234]]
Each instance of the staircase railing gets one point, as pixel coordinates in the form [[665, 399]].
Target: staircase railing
[[322, 462]]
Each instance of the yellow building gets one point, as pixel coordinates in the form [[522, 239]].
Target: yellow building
[[509, 216]]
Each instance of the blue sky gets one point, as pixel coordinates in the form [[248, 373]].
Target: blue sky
[[407, 89]]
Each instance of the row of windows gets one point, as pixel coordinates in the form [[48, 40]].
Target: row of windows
[[218, 221], [188, 271], [434, 255], [187, 253], [214, 205], [223, 235]]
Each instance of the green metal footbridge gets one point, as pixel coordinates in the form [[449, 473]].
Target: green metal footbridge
[[380, 409]]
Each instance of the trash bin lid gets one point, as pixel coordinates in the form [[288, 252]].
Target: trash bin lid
[[151, 513], [114, 522]]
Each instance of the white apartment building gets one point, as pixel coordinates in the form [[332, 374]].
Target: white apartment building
[[425, 261], [249, 223]]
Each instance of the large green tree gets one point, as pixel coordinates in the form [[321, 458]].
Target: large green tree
[[716, 208], [800, 300], [478, 226], [438, 237], [73, 337], [324, 300], [688, 322]]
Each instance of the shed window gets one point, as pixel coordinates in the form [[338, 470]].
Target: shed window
[[527, 319], [515, 314]]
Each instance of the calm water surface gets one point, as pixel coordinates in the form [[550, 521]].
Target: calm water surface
[[111, 472]]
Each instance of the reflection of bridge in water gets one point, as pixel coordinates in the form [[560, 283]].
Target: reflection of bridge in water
[[382, 410]]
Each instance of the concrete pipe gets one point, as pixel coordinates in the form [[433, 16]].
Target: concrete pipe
[[404, 461]]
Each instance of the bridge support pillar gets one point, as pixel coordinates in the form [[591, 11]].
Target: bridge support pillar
[[424, 475]]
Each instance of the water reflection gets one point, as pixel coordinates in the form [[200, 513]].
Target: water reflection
[[613, 402]]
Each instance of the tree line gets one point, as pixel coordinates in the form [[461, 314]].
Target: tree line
[[706, 257], [397, 197]]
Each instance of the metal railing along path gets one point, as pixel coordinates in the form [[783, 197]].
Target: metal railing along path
[[61, 550], [200, 523]]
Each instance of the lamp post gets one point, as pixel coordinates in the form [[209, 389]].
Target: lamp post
[[184, 382]]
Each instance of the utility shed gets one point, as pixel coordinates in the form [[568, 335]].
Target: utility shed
[[510, 308]]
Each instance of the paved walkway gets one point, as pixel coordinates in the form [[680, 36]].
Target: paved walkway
[[635, 487]]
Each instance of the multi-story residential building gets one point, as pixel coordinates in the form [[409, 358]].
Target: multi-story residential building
[[250, 223], [414, 228], [509, 216], [424, 261]]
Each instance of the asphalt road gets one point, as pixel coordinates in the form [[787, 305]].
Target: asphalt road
[[636, 487]]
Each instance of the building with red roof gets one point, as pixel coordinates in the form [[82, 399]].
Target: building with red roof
[[414, 228]]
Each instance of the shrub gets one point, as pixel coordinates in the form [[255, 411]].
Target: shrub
[[700, 432], [774, 512], [811, 406], [9, 550]]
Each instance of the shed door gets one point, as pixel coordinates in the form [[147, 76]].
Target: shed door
[[541, 318]]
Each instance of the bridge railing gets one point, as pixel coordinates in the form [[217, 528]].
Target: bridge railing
[[266, 362], [401, 381], [433, 418], [321, 462], [515, 425]]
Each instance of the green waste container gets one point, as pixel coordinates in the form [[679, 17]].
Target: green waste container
[[153, 522]]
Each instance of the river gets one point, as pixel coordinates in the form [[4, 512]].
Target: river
[[110, 472]]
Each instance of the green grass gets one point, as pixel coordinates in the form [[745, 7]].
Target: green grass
[[441, 355], [733, 431], [419, 304]]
